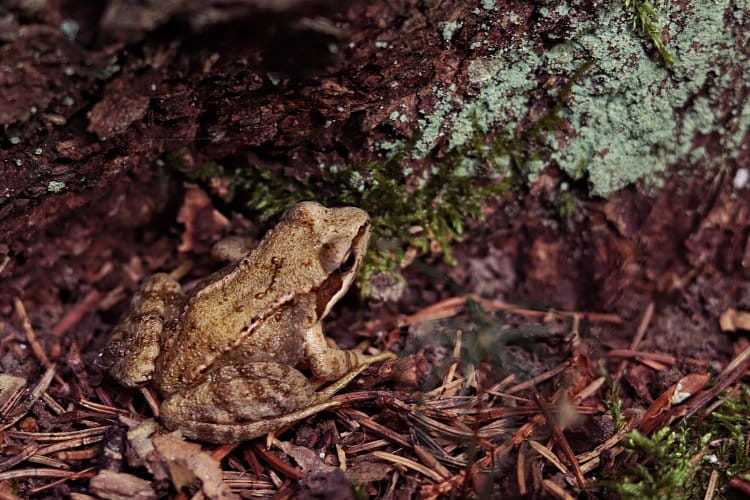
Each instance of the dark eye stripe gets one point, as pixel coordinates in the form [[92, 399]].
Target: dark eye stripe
[[348, 263]]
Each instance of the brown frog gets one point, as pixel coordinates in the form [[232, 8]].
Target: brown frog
[[225, 356]]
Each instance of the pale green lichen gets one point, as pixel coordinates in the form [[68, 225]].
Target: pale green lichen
[[390, 148], [70, 28], [502, 101], [450, 28], [514, 18], [55, 186], [274, 78], [562, 9], [632, 116], [431, 124]]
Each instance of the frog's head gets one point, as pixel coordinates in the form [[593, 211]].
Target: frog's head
[[339, 242]]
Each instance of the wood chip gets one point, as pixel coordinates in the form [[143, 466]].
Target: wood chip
[[732, 320]]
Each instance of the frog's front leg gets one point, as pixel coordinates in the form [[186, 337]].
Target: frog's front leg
[[131, 352], [240, 402], [330, 363]]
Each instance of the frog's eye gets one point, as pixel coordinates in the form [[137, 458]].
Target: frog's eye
[[348, 263]]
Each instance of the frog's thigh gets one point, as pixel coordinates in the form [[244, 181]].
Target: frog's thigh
[[135, 341], [238, 402]]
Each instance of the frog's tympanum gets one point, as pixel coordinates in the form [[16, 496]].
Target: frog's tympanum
[[225, 357]]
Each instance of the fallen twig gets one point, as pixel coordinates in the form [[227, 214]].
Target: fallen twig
[[411, 464], [638, 338], [562, 442]]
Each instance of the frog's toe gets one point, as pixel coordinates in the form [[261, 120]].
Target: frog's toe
[[342, 382]]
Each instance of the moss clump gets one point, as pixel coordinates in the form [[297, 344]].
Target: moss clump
[[670, 474], [427, 218], [676, 464], [614, 403], [645, 19]]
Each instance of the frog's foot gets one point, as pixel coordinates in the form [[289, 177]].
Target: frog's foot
[[335, 387], [228, 433]]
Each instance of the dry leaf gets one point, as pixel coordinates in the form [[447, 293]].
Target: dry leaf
[[202, 221], [368, 471], [306, 458], [118, 485], [189, 465], [684, 389]]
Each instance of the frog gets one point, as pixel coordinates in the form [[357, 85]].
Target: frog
[[229, 357]]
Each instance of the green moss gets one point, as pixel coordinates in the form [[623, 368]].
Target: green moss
[[428, 218], [614, 404], [567, 203], [646, 20], [676, 464], [671, 474]]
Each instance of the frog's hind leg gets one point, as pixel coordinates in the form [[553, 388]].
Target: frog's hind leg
[[242, 401], [229, 433], [135, 343]]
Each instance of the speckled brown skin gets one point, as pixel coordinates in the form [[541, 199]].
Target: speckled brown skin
[[224, 356]]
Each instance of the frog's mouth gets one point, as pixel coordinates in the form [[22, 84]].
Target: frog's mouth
[[337, 283]]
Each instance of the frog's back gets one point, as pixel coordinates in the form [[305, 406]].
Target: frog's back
[[253, 307]]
